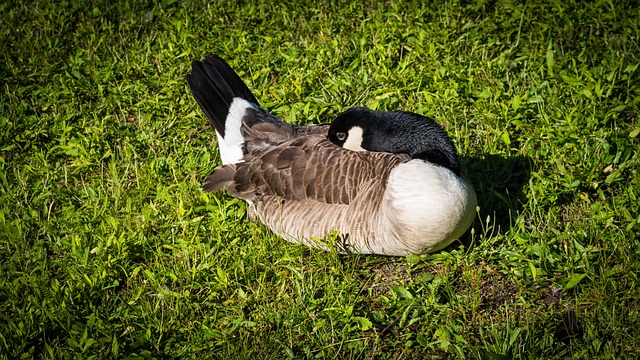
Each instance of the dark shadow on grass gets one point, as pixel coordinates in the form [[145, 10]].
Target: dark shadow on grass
[[500, 185]]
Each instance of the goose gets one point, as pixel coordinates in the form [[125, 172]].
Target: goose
[[371, 182]]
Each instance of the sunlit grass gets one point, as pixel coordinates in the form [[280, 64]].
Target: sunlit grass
[[109, 249]]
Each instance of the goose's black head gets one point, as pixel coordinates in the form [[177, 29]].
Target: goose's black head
[[395, 132]]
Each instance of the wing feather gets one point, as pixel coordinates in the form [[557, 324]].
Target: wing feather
[[304, 187], [315, 169]]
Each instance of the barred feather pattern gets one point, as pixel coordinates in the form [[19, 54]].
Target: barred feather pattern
[[303, 202]]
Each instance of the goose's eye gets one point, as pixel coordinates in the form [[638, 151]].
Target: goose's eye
[[341, 136]]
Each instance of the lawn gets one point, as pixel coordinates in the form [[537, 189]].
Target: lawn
[[109, 249]]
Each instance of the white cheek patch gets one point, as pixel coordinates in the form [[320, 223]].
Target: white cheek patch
[[354, 139]]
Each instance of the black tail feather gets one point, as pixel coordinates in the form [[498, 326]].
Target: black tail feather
[[214, 86]]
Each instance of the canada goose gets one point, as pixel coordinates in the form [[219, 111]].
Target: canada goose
[[387, 182]]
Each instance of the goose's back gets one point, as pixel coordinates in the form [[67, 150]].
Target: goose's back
[[304, 187], [356, 217]]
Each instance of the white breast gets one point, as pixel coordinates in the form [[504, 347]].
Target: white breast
[[426, 206]]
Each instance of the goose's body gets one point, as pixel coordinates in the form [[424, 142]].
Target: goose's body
[[388, 182]]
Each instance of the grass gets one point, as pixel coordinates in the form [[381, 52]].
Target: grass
[[108, 249]]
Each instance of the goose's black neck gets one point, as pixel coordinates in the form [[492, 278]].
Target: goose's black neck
[[399, 132], [439, 158]]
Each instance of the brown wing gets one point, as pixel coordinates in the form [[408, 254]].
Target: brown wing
[[306, 167]]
